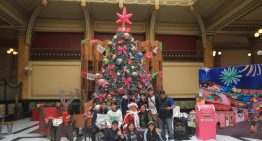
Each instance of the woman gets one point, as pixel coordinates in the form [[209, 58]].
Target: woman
[[132, 134], [145, 117], [152, 134]]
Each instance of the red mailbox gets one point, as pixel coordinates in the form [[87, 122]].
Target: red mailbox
[[205, 122]]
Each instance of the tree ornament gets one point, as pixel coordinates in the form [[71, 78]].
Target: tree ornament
[[132, 39], [121, 91], [126, 71], [105, 61], [133, 48], [134, 74], [102, 82], [133, 67], [114, 56], [140, 55], [119, 61], [118, 74], [126, 36], [115, 37], [109, 43], [124, 18]]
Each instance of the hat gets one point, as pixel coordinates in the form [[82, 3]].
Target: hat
[[150, 122], [132, 104], [115, 122]]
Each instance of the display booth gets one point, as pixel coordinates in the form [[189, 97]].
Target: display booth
[[234, 91]]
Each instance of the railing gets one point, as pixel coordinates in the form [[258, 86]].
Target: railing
[[45, 54], [192, 56], [9, 91]]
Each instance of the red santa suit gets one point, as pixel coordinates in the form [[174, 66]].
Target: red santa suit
[[131, 116]]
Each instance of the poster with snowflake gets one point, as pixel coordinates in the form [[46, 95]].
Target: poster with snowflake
[[242, 77], [242, 85]]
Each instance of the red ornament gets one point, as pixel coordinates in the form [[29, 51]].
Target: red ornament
[[121, 90], [129, 61], [120, 41], [149, 55], [139, 85], [111, 93], [94, 42], [83, 74], [126, 36]]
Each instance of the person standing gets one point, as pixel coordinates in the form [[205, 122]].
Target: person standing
[[165, 110], [131, 116], [99, 120], [132, 134], [145, 117], [152, 100], [114, 114]]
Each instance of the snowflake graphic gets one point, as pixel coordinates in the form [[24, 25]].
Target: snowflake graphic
[[230, 75]]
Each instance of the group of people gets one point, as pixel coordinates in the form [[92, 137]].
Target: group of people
[[137, 117]]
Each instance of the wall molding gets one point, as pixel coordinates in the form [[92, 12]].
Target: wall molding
[[177, 29], [43, 25]]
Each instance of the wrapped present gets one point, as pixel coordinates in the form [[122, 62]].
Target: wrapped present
[[57, 121], [253, 91]]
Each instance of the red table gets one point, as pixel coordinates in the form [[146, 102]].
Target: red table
[[35, 114], [48, 111]]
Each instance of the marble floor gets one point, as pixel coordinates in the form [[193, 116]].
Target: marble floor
[[23, 130]]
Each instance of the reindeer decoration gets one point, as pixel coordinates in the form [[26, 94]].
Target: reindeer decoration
[[65, 129], [83, 120]]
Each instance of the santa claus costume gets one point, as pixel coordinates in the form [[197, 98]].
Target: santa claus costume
[[131, 115]]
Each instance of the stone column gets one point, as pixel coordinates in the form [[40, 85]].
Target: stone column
[[208, 52], [23, 60]]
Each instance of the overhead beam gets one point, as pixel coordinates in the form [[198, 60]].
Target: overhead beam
[[200, 23], [11, 14], [31, 24], [242, 9]]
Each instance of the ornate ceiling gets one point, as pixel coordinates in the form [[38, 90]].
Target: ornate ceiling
[[218, 16]]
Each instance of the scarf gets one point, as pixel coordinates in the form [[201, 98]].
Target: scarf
[[136, 118]]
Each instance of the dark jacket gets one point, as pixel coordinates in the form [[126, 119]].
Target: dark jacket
[[151, 136], [162, 108], [138, 135], [110, 135]]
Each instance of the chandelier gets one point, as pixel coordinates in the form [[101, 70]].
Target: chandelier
[[258, 33]]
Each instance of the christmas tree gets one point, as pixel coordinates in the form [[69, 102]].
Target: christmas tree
[[122, 71]]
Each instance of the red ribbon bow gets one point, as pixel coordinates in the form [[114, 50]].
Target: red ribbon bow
[[143, 78], [101, 97], [110, 68], [126, 81], [121, 50]]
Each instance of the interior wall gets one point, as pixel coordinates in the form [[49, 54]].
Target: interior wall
[[8, 66], [235, 58], [181, 79], [48, 77]]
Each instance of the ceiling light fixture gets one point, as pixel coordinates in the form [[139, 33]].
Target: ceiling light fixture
[[260, 31], [83, 3], [256, 34], [45, 2], [11, 51], [219, 53], [157, 4], [249, 54], [214, 53], [121, 4]]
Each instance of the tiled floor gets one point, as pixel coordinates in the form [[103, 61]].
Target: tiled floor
[[22, 129]]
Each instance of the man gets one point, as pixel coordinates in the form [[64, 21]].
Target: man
[[153, 104], [113, 133], [114, 114], [99, 120], [165, 111]]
